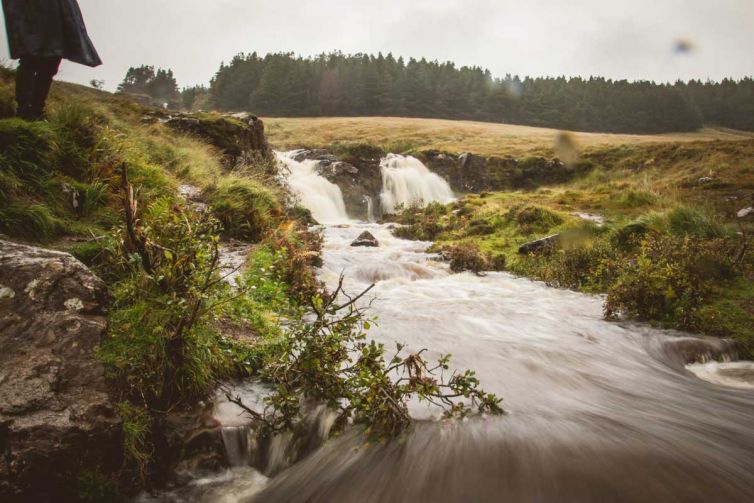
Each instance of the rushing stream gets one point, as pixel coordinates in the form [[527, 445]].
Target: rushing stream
[[596, 411]]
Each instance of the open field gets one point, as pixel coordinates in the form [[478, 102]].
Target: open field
[[400, 134]]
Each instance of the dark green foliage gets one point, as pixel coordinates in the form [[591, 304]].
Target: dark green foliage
[[684, 221], [159, 350], [422, 223], [34, 222], [671, 278], [160, 85], [77, 139], [588, 266], [93, 486], [357, 85]]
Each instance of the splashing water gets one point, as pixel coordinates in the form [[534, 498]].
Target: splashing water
[[322, 197], [406, 181]]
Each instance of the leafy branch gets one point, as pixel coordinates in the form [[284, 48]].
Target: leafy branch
[[328, 359]]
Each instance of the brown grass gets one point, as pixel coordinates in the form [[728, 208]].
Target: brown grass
[[400, 134]]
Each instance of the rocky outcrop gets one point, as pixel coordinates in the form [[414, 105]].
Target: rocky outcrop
[[56, 419], [365, 239], [238, 137], [357, 173], [473, 173]]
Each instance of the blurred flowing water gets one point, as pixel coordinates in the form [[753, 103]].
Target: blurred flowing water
[[596, 411]]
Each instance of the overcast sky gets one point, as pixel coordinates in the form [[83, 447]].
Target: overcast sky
[[632, 39]]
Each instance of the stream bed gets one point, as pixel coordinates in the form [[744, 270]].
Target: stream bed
[[595, 410]]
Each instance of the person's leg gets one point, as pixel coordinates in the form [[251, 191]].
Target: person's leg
[[46, 68], [25, 76]]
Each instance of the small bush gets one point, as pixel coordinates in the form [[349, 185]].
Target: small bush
[[589, 267], [534, 219], [246, 209], [467, 257], [685, 221], [670, 279], [637, 199], [78, 137]]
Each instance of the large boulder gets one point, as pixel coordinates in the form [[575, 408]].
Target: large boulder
[[58, 425]]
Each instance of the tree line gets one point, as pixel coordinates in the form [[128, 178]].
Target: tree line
[[337, 84]]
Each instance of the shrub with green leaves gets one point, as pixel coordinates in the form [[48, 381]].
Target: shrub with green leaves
[[329, 360], [159, 349], [671, 278]]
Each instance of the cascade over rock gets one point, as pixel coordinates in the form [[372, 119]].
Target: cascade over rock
[[406, 181], [56, 418], [323, 198], [357, 174]]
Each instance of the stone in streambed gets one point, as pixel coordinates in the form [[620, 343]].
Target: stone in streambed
[[365, 239]]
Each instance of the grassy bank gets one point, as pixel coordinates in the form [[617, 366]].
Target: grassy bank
[[103, 178]]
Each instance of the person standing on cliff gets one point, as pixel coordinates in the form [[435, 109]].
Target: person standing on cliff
[[40, 34]]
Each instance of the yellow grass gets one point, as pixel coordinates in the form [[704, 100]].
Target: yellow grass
[[400, 134]]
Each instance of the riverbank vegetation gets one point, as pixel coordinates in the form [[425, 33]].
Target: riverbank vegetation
[[149, 209], [654, 227]]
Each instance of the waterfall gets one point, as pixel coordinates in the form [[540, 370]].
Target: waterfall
[[320, 196], [370, 209], [406, 181]]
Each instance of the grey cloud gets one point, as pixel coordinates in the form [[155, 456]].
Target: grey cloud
[[617, 39]]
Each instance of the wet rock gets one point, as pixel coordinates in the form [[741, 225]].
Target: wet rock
[[357, 175], [194, 441], [317, 154], [745, 212], [365, 239], [56, 418], [689, 350], [337, 169], [545, 243], [474, 173]]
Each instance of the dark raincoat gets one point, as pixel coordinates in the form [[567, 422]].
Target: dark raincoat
[[48, 28]]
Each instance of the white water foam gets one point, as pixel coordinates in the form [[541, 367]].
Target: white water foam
[[406, 181], [322, 197]]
